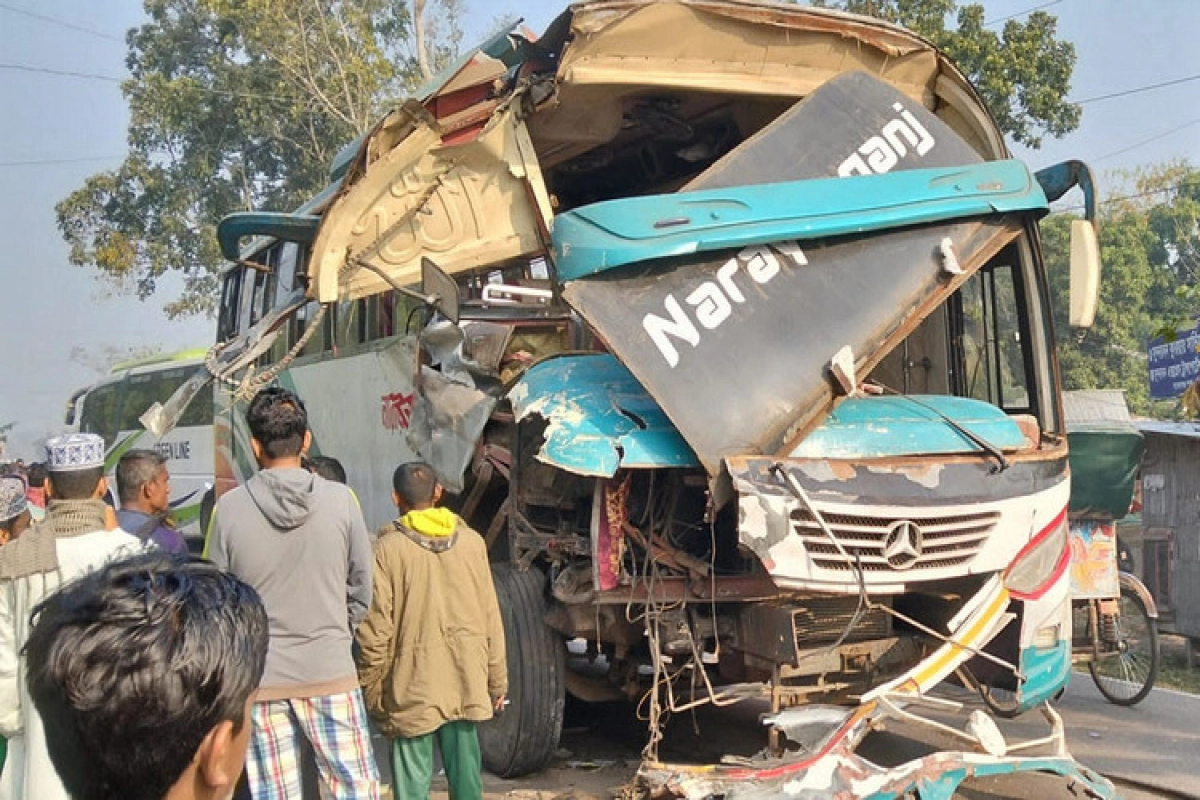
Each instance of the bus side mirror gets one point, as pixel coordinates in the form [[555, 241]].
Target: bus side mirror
[[439, 289], [1085, 274], [1085, 244]]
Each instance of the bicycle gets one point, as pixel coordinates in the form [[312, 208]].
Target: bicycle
[[1119, 641]]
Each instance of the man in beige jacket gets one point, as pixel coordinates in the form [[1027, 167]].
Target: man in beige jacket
[[431, 658]]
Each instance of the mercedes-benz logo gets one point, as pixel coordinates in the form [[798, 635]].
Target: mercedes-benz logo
[[903, 544]]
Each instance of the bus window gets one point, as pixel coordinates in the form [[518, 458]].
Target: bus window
[[227, 319], [991, 341], [302, 319], [286, 270], [100, 412], [381, 315], [263, 290], [245, 298], [142, 391], [199, 412], [73, 409]]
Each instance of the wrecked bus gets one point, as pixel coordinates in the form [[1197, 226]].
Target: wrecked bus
[[726, 324]]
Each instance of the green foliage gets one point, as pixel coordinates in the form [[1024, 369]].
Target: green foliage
[[235, 105], [1148, 247], [1023, 72]]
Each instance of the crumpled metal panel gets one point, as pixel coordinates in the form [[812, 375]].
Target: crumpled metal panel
[[749, 374], [448, 419], [463, 206], [827, 765], [616, 48], [605, 236], [599, 418], [735, 346]]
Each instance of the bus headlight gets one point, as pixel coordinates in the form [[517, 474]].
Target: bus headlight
[[1041, 562]]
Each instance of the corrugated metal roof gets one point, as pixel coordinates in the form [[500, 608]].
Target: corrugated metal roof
[[1190, 430], [1096, 405]]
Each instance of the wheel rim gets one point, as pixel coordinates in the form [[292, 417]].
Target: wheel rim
[[1126, 674]]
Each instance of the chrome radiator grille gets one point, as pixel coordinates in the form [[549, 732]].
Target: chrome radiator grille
[[903, 545]]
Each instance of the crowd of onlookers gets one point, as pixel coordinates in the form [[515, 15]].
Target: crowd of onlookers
[[130, 669]]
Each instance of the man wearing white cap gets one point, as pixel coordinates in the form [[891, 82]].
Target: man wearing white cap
[[76, 537], [14, 508]]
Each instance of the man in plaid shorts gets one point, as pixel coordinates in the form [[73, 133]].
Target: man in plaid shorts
[[301, 542]]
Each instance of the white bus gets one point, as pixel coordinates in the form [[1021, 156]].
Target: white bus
[[111, 407], [745, 371]]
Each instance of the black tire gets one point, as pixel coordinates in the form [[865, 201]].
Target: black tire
[[1125, 677], [524, 737], [1002, 702]]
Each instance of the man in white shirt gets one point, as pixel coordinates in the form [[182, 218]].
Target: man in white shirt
[[78, 535]]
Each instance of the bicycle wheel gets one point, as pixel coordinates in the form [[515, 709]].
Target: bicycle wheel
[[1126, 675]]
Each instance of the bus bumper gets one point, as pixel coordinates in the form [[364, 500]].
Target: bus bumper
[[826, 764]]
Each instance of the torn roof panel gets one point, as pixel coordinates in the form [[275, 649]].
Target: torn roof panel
[[735, 346], [599, 418]]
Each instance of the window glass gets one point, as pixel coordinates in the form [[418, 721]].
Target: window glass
[[263, 290], [350, 322], [200, 410], [991, 342], [286, 270], [142, 391], [100, 412], [245, 301], [228, 317], [1010, 356], [302, 319]]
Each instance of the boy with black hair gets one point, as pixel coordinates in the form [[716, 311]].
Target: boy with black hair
[[431, 649], [143, 672], [301, 542], [328, 468], [78, 535]]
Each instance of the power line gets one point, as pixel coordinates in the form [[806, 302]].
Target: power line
[[62, 23], [1019, 13], [49, 161], [111, 79], [1108, 200], [61, 72], [1137, 90], [1162, 135]]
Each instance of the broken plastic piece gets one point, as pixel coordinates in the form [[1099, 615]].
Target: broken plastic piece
[[949, 259], [842, 367], [984, 729]]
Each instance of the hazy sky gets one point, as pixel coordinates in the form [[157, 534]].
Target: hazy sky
[[59, 129]]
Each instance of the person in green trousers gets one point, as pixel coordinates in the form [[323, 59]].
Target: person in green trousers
[[431, 648]]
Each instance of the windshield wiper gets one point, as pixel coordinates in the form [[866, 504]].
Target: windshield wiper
[[983, 444]]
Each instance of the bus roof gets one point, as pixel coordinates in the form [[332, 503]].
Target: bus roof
[[196, 354]]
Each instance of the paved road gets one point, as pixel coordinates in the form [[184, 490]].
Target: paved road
[[1155, 744], [1150, 751]]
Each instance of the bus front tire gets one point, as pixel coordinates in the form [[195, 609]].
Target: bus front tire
[[524, 737]]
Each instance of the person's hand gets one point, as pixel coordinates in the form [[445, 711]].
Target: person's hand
[[499, 703]]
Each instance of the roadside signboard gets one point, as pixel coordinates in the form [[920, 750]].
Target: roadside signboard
[[1174, 365]]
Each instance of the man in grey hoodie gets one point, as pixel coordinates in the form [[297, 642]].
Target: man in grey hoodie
[[301, 542]]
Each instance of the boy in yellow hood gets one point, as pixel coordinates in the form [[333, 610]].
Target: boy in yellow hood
[[431, 648]]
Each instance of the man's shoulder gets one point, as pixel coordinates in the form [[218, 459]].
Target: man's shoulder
[[334, 491], [131, 515], [233, 501]]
